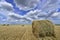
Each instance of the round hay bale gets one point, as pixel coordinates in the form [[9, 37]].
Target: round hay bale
[[42, 28]]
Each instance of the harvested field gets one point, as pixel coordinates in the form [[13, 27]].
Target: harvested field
[[19, 32]]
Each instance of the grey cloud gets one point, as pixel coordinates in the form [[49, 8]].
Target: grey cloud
[[14, 17], [26, 4], [22, 2], [53, 1], [6, 6], [48, 5], [37, 14]]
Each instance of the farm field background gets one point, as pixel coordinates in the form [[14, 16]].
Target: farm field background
[[21, 32]]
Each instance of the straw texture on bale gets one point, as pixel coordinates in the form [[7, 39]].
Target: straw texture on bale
[[43, 28]]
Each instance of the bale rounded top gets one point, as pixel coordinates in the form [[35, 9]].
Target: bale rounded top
[[42, 21]]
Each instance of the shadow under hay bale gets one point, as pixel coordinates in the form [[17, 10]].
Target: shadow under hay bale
[[43, 28]]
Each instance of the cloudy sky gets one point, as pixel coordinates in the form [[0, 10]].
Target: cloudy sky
[[25, 11]]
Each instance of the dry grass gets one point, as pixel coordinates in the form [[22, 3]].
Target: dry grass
[[19, 32], [16, 32], [57, 31]]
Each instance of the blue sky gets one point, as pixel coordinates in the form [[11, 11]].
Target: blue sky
[[23, 12]]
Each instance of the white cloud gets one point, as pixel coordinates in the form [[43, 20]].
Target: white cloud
[[14, 17], [55, 20], [56, 14], [30, 16], [15, 14]]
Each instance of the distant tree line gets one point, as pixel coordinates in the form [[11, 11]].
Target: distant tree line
[[5, 25]]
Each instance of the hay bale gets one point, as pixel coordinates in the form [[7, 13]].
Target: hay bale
[[42, 28]]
